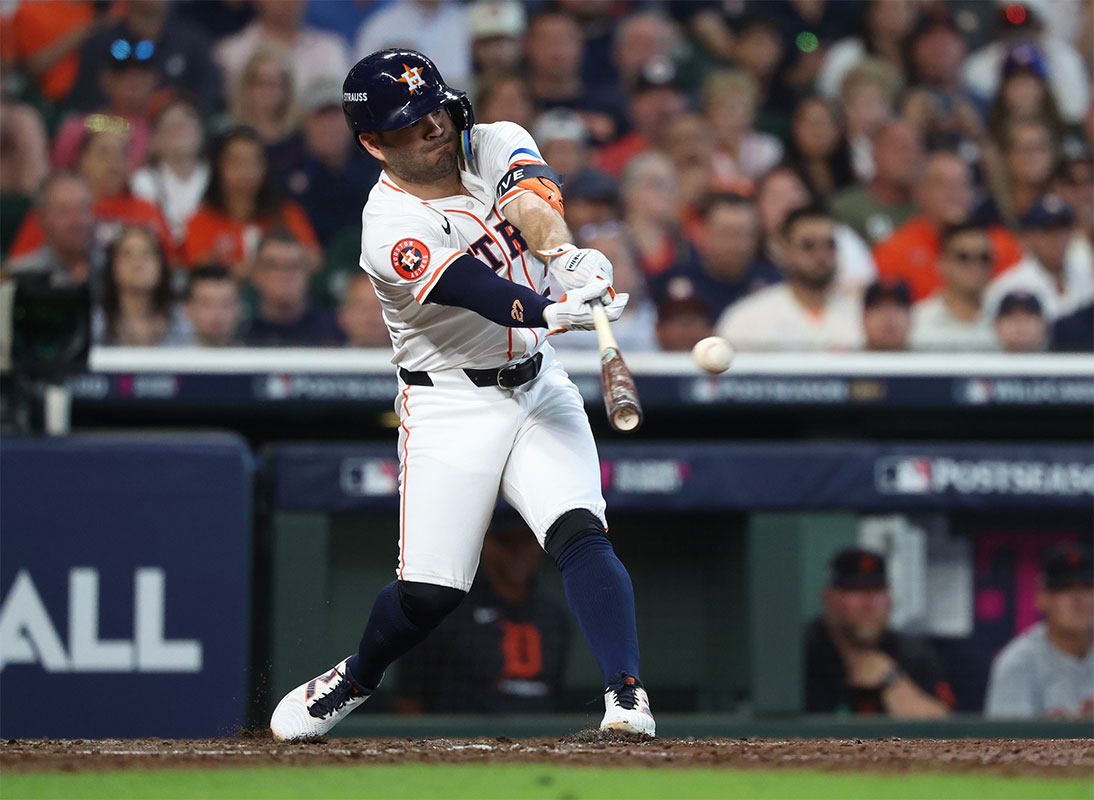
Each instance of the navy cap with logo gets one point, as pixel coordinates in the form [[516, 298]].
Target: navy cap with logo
[[1048, 212], [858, 568], [1067, 565], [895, 291]]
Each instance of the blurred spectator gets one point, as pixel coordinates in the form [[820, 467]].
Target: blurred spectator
[[24, 164], [563, 141], [875, 210], [854, 663], [177, 173], [935, 102], [439, 28], [552, 52], [944, 197], [681, 323], [328, 175], [808, 311], [955, 317], [728, 267], [102, 166], [67, 220], [690, 146], [180, 54], [284, 316], [360, 315], [222, 18], [817, 147], [497, 31], [1067, 74], [263, 96], [240, 205], [1074, 183], [137, 307], [868, 95], [886, 316], [634, 331], [656, 100], [759, 51], [129, 78], [783, 190], [1048, 671], [313, 53], [42, 39], [809, 28], [729, 99], [883, 28], [212, 303], [592, 199], [1074, 333], [1060, 277], [1020, 324], [642, 36], [503, 650], [650, 194], [24, 149], [1024, 93], [505, 97], [1029, 161]]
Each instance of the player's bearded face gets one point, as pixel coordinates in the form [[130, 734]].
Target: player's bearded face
[[424, 152]]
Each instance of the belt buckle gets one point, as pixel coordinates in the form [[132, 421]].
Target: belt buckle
[[497, 379]]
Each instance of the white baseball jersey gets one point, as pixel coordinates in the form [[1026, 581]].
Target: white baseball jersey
[[407, 243]]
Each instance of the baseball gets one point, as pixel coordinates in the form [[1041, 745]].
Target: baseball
[[712, 354]]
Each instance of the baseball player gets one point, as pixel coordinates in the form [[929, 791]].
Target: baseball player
[[461, 234]]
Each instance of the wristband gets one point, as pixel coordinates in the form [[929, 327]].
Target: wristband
[[891, 677]]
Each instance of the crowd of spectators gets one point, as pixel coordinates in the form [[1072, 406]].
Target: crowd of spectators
[[793, 175]]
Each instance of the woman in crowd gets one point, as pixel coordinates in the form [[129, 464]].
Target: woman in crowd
[[817, 146], [885, 25], [137, 307], [240, 204], [263, 97], [729, 99], [650, 192], [177, 175], [505, 97]]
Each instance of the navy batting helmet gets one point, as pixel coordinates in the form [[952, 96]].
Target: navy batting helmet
[[394, 88]]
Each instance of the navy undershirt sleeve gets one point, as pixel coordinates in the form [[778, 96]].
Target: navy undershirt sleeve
[[469, 283]]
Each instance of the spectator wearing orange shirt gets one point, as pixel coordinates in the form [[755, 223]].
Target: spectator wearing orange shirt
[[240, 205], [43, 39], [102, 166], [944, 197]]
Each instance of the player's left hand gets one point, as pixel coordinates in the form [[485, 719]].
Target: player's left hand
[[573, 311], [573, 267]]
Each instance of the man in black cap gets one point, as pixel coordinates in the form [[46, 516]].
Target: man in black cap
[[1020, 323], [886, 315], [854, 664], [1060, 275], [1049, 669]]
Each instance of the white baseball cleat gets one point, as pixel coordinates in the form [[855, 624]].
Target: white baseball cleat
[[313, 708], [627, 707]]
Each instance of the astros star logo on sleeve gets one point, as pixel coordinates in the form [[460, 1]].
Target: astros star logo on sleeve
[[409, 258], [412, 78]]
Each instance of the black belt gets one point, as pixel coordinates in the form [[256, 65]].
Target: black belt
[[506, 377]]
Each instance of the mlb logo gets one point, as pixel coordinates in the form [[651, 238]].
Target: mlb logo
[[903, 475], [369, 477]]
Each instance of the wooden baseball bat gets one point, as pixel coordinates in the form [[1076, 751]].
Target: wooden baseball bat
[[620, 393]]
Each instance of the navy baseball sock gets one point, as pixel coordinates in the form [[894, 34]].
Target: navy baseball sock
[[601, 596], [388, 635]]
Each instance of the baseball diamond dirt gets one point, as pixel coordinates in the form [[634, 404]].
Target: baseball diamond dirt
[[1055, 758]]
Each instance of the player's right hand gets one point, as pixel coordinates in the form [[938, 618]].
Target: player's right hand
[[573, 311]]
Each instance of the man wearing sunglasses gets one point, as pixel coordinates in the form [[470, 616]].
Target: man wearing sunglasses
[[955, 317], [809, 311]]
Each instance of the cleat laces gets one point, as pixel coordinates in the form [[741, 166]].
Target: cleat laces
[[335, 699], [625, 691]]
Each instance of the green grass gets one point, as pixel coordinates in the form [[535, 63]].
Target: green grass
[[509, 781]]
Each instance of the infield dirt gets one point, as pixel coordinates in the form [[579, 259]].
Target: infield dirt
[[1052, 758]]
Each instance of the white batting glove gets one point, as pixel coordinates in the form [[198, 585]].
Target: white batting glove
[[573, 267], [573, 311]]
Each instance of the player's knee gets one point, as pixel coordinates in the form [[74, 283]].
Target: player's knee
[[571, 528], [426, 604]]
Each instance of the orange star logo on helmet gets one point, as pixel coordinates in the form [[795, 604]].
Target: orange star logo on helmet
[[412, 78]]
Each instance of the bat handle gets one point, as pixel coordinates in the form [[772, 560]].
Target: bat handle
[[604, 334]]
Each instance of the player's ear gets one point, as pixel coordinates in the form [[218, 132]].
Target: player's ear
[[371, 143]]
